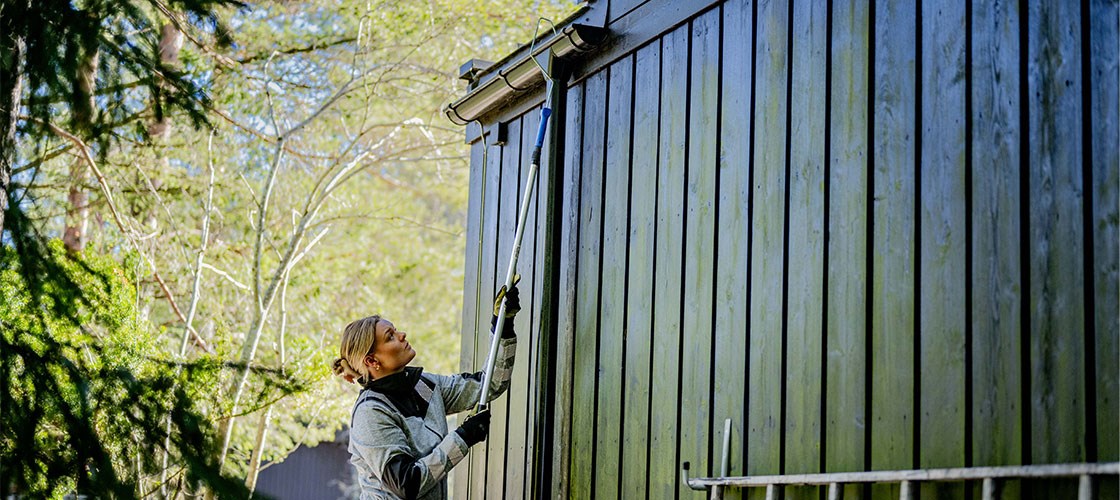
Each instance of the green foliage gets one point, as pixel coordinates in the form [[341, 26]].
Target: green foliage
[[59, 35], [95, 335], [85, 391]]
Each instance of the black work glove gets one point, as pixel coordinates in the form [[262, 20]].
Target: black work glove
[[513, 306], [475, 428]]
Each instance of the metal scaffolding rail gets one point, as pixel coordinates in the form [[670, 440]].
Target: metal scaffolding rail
[[907, 479]]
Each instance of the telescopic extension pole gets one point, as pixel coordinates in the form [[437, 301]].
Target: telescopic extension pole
[[522, 215]]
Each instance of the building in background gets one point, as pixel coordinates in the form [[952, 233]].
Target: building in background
[[322, 472]]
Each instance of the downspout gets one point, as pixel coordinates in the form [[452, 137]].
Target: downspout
[[544, 415]]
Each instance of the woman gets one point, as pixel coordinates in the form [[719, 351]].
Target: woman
[[398, 432]]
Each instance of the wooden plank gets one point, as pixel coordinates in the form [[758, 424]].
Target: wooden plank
[[488, 270], [471, 264], [893, 234], [565, 315], [517, 461], [942, 243], [1105, 80], [846, 375], [732, 250], [471, 270], [587, 287], [639, 305], [699, 247], [805, 281], [608, 415], [1057, 297], [508, 205], [997, 405], [764, 416], [663, 468]]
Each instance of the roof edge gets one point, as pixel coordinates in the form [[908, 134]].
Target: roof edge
[[519, 72]]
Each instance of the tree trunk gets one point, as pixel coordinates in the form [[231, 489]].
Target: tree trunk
[[170, 41], [265, 422], [83, 111], [258, 449], [11, 82]]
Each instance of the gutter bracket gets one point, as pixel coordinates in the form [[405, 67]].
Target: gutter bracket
[[521, 72]]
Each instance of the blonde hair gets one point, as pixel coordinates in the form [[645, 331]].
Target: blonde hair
[[357, 341]]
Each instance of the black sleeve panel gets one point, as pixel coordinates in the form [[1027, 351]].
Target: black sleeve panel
[[402, 474], [476, 376]]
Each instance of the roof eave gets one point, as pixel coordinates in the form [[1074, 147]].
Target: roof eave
[[520, 73]]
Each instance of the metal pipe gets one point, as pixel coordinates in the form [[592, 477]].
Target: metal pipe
[[906, 491], [1085, 488], [725, 461], [921, 475], [990, 489], [551, 225]]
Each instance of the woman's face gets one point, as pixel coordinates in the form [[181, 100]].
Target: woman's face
[[391, 352]]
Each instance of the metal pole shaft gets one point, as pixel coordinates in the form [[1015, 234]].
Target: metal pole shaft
[[511, 271]]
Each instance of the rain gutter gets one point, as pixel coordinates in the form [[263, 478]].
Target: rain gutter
[[519, 73]]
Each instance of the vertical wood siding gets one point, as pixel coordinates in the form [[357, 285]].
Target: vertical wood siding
[[1103, 130], [875, 234], [667, 314], [699, 244], [612, 311], [846, 376], [997, 285], [1055, 197], [732, 248], [588, 285], [942, 243], [640, 292], [1102, 79], [892, 233], [518, 417], [767, 237], [805, 242]]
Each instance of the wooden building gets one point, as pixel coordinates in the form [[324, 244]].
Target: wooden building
[[875, 234], [320, 472]]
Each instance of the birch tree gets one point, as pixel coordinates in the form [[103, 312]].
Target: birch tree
[[323, 185]]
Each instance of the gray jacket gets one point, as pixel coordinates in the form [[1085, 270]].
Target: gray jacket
[[380, 431]]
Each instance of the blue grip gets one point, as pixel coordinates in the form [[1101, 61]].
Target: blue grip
[[545, 112]]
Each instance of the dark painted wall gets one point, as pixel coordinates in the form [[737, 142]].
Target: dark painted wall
[[875, 234]]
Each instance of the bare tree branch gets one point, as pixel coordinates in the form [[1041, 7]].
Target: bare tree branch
[[316, 45], [42, 159], [128, 232], [227, 276]]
